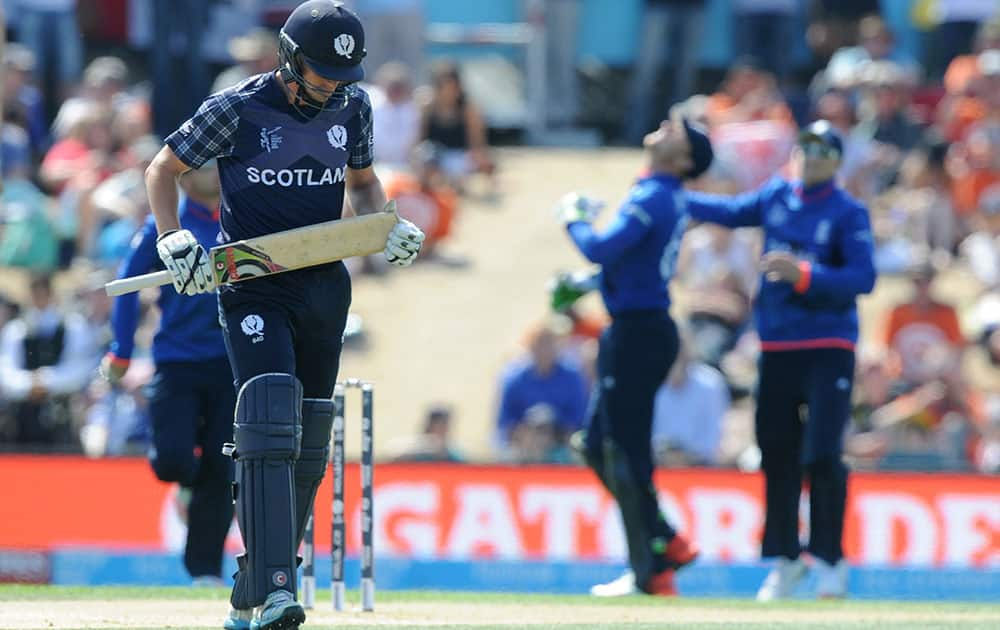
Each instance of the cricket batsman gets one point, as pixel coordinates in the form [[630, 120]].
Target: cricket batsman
[[817, 260], [637, 255], [288, 143], [191, 397]]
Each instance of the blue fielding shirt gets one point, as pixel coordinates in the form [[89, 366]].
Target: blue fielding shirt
[[638, 251], [825, 227], [278, 169], [189, 325]]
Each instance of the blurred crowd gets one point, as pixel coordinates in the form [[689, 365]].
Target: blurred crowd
[[83, 117], [82, 120], [922, 150]]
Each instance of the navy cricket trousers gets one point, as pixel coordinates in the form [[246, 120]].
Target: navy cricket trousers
[[191, 405], [803, 403], [634, 356], [291, 323]]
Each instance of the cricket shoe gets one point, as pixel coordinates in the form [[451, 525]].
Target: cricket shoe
[[831, 579], [783, 579], [680, 552], [279, 612], [662, 584], [238, 619], [621, 587]]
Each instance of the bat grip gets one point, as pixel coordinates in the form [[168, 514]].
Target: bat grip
[[137, 283]]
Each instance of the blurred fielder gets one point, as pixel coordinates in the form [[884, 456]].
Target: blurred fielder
[[637, 254], [287, 143], [191, 396], [817, 260]]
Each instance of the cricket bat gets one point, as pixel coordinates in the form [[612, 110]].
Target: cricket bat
[[284, 251]]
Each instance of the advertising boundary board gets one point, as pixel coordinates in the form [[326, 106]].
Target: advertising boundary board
[[547, 529]]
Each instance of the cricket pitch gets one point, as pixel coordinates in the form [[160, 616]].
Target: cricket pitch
[[23, 608]]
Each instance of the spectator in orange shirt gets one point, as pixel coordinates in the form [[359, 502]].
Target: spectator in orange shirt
[[975, 163], [923, 328], [975, 168], [748, 93], [963, 70], [976, 94], [424, 196]]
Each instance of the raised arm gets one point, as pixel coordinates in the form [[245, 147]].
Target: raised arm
[[626, 229], [732, 211]]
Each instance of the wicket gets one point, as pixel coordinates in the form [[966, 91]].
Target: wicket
[[338, 528]]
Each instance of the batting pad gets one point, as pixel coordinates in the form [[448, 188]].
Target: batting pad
[[317, 420], [268, 432]]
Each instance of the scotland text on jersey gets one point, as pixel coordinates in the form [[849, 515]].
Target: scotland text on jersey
[[288, 177]]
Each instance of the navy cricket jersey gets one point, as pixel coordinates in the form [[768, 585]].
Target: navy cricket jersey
[[830, 231], [189, 325], [638, 252], [278, 169]]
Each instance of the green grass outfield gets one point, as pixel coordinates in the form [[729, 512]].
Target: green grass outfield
[[65, 608]]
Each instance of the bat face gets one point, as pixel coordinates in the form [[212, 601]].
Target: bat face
[[302, 247], [239, 261]]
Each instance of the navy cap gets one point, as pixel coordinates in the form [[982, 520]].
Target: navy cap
[[330, 39], [823, 132], [701, 149]]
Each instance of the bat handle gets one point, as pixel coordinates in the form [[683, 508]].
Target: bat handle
[[137, 283]]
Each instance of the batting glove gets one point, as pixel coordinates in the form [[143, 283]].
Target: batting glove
[[574, 207], [404, 244], [187, 262]]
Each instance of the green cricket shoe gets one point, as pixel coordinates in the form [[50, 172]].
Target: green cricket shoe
[[279, 612], [238, 619]]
